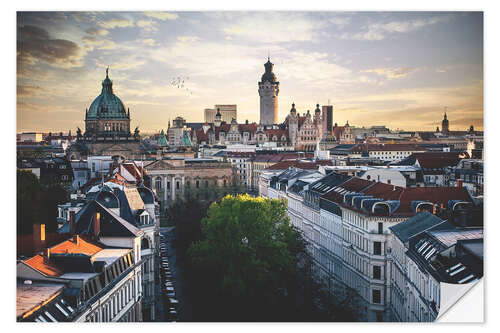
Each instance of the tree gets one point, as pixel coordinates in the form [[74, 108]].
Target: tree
[[252, 265], [37, 204], [248, 257], [28, 201]]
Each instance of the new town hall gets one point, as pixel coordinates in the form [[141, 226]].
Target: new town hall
[[297, 131]]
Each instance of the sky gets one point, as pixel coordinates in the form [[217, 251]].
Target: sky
[[399, 69]]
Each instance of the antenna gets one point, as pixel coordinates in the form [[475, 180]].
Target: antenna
[[268, 55]]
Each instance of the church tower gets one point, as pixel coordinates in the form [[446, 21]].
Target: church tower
[[445, 125], [268, 92]]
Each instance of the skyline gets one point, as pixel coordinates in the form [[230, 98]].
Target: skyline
[[364, 63]]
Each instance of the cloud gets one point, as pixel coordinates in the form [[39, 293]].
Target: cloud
[[34, 44], [147, 25], [379, 31], [92, 42], [391, 73], [313, 68], [116, 23], [162, 15], [149, 41], [83, 17], [187, 39], [272, 27], [341, 22], [29, 91], [97, 31]]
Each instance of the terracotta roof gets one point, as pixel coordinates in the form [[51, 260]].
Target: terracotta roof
[[85, 246], [278, 132], [247, 127]]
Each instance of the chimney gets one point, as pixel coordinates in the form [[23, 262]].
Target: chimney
[[71, 222], [46, 256], [459, 182], [97, 224], [38, 237], [76, 239]]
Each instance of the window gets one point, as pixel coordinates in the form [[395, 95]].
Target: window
[[380, 228], [177, 185], [197, 184], [168, 185], [377, 248], [158, 184], [64, 177], [377, 272], [376, 296]]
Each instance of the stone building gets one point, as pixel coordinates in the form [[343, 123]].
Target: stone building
[[304, 131], [269, 89], [171, 178], [347, 221]]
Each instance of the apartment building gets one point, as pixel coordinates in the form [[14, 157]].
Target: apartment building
[[93, 276], [347, 220]]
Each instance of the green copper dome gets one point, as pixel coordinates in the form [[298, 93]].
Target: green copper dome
[[107, 105]]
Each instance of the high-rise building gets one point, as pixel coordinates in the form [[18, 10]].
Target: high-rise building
[[227, 111], [327, 119], [268, 92]]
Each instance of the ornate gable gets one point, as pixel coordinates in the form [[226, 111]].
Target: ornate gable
[[159, 165]]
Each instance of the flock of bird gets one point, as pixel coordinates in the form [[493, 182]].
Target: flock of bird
[[179, 82]]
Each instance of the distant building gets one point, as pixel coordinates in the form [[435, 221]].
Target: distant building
[[31, 137], [445, 125], [228, 112]]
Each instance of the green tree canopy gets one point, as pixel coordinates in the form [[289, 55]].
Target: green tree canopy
[[249, 254]]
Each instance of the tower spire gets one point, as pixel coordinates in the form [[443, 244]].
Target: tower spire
[[107, 69]]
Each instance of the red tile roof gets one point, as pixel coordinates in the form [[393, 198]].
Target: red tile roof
[[85, 246]]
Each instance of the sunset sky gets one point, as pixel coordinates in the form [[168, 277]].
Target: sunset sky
[[394, 69]]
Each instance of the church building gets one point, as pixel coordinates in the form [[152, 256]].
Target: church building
[[107, 128]]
